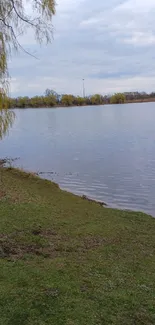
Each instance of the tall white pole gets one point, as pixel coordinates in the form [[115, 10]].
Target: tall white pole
[[84, 88]]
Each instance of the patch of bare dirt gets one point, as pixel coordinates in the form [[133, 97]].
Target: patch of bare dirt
[[57, 244], [93, 242], [14, 250], [2, 194]]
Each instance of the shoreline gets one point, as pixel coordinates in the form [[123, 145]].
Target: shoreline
[[95, 105], [4, 163], [66, 260]]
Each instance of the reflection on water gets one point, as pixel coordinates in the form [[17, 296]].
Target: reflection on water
[[105, 152]]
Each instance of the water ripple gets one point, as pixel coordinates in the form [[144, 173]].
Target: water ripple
[[107, 152]]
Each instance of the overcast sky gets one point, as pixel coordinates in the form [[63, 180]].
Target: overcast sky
[[111, 44]]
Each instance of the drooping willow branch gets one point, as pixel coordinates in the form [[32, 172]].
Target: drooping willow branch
[[14, 21]]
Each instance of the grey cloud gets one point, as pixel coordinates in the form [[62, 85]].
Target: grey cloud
[[95, 40]]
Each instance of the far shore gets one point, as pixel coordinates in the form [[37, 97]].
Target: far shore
[[150, 100], [54, 100]]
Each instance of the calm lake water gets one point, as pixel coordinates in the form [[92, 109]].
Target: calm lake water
[[104, 152]]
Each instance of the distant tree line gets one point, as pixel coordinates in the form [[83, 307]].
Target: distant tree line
[[52, 99]]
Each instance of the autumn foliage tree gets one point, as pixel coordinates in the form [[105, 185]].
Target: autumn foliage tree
[[96, 99], [118, 98]]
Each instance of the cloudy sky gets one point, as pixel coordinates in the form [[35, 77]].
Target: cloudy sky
[[111, 44]]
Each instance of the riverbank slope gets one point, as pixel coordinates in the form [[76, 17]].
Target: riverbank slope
[[65, 260]]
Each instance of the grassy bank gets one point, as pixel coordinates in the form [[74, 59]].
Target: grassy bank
[[67, 261]]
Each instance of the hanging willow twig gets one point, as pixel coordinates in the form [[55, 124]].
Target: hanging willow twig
[[14, 21]]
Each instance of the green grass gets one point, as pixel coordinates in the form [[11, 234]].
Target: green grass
[[67, 261]]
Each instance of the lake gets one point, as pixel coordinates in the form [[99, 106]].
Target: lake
[[104, 152]]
